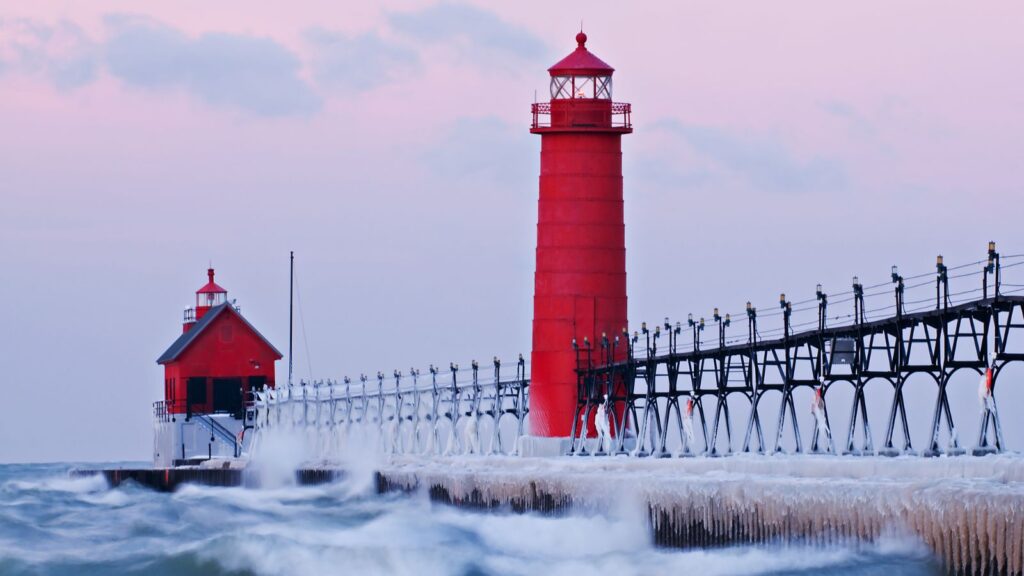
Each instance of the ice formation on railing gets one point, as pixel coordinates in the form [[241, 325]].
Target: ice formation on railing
[[399, 415]]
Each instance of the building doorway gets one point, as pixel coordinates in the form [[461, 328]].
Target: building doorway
[[195, 395], [227, 396]]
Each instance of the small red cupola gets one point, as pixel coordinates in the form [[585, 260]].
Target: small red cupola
[[581, 63], [209, 296]]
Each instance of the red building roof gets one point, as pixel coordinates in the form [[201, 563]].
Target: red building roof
[[581, 62], [186, 339]]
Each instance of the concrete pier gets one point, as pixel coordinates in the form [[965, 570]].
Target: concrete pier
[[169, 479]]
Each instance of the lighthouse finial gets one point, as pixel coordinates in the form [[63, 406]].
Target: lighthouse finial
[[581, 39]]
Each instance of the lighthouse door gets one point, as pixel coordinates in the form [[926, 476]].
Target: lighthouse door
[[227, 395], [195, 395]]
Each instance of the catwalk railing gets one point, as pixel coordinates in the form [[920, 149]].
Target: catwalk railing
[[619, 115], [411, 413], [639, 403]]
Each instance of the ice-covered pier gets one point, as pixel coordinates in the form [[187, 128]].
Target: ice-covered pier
[[969, 511]]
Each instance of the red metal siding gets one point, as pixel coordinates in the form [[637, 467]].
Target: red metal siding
[[580, 280]]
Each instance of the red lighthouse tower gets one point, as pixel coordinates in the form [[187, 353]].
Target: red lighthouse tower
[[580, 281]]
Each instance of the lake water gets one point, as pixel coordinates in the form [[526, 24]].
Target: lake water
[[53, 524]]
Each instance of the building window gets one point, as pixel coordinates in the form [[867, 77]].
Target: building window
[[256, 383]]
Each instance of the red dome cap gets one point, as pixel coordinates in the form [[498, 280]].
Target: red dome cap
[[211, 286], [581, 62]]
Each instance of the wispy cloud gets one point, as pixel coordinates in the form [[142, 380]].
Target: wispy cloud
[[357, 62], [61, 52], [858, 125], [484, 148], [255, 74], [473, 30], [761, 162]]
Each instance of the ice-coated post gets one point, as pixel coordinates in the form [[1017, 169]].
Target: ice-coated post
[[858, 301], [898, 281], [941, 284]]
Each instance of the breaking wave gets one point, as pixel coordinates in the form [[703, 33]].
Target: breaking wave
[[53, 524]]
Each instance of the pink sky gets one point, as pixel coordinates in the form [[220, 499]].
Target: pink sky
[[776, 145]]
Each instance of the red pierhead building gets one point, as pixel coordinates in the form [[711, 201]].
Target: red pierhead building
[[217, 360], [580, 281]]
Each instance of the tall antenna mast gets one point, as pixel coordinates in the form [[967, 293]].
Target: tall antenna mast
[[291, 311]]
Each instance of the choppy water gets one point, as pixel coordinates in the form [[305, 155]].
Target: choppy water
[[52, 524]]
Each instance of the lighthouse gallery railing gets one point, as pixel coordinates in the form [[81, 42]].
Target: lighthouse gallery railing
[[621, 115]]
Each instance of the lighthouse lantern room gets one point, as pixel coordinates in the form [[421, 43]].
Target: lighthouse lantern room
[[210, 372]]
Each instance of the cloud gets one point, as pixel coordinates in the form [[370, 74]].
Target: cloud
[[473, 29], [62, 52], [858, 125], [485, 148], [356, 62], [761, 162], [254, 74]]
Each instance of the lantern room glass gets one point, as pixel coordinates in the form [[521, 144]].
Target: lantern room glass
[[211, 299], [581, 87]]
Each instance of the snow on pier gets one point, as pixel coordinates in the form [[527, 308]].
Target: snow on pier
[[969, 511]]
